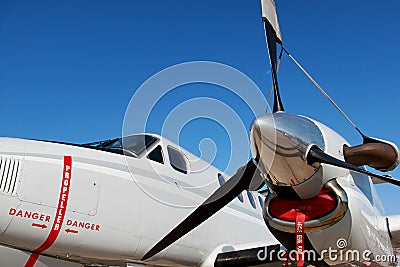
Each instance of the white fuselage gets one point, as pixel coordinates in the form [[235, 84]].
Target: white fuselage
[[116, 207]]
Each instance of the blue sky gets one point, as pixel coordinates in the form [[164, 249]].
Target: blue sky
[[68, 69]]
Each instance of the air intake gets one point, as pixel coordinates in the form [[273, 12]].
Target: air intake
[[9, 170]]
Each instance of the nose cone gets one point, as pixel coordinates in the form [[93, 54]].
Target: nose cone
[[281, 141]]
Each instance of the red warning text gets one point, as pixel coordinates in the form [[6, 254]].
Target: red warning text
[[64, 194], [83, 225], [34, 215]]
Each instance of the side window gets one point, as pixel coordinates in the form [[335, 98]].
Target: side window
[[156, 155], [178, 160], [240, 197], [261, 201], [251, 199], [221, 179]]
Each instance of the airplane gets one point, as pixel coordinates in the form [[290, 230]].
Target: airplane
[[65, 204]]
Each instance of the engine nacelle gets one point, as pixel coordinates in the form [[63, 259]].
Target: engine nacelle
[[321, 212]]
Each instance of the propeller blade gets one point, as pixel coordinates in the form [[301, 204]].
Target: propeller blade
[[317, 155], [278, 106], [380, 156], [273, 35], [221, 197]]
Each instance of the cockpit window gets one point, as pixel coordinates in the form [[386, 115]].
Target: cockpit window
[[133, 145], [156, 155]]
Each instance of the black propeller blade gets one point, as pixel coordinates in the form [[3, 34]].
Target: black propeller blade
[[271, 41], [317, 155], [221, 197]]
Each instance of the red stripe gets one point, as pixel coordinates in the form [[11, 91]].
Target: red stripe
[[32, 260], [300, 218], [60, 214]]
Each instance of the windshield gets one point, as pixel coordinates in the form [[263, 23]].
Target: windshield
[[135, 145]]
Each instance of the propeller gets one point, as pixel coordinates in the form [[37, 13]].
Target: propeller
[[240, 181], [249, 174], [316, 155]]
